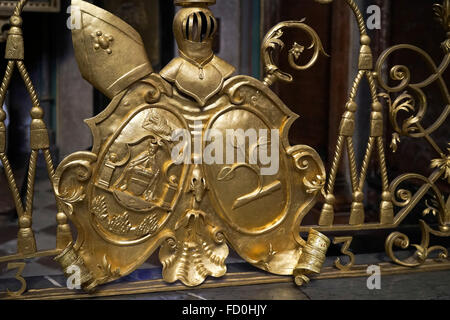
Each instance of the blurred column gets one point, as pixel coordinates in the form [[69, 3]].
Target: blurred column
[[74, 96]]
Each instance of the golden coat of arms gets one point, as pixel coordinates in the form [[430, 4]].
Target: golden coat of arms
[[149, 182]]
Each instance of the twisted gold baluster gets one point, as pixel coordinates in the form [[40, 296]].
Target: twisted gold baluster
[[365, 66], [6, 165], [39, 141]]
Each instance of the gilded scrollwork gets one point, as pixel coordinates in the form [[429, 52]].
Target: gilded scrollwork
[[198, 248], [197, 251], [423, 251], [71, 179], [272, 42], [408, 107], [406, 200], [302, 159], [412, 98]]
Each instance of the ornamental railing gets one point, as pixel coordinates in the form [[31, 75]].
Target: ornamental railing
[[407, 106]]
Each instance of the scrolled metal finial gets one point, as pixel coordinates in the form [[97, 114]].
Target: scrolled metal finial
[[423, 250], [272, 41]]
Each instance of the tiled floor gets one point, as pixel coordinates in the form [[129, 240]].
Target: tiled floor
[[434, 285]]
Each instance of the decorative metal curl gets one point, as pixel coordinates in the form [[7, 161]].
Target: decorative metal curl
[[423, 251], [406, 101], [79, 168], [405, 199], [272, 42], [411, 101]]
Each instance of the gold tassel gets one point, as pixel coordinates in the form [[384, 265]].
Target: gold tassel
[[327, 215], [39, 139], [15, 49], [365, 55], [386, 209], [357, 215], [26, 243], [63, 233], [347, 126]]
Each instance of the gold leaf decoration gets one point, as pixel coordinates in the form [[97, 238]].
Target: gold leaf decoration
[[196, 254]]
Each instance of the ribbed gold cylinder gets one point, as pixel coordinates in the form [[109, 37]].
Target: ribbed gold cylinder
[[314, 253]]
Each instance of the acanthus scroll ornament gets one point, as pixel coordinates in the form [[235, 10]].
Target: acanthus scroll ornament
[[272, 41]]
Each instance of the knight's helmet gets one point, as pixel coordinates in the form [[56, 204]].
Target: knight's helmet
[[194, 28]]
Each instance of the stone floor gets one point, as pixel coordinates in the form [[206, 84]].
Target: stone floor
[[434, 285], [423, 286]]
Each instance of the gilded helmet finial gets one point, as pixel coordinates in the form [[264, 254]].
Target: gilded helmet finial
[[194, 28]]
